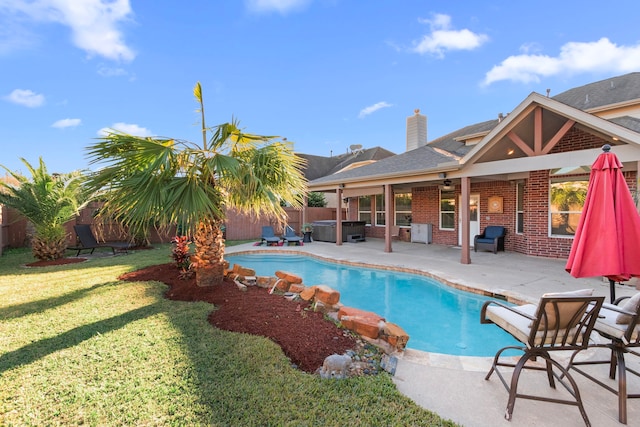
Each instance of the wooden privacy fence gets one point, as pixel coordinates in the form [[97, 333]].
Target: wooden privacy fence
[[14, 229]]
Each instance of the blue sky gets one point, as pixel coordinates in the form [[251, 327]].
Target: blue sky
[[325, 74]]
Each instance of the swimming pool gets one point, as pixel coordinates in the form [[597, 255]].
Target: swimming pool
[[438, 318]]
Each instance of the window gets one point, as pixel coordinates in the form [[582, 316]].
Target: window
[[566, 200], [403, 209], [520, 207], [447, 210], [364, 209], [380, 209]]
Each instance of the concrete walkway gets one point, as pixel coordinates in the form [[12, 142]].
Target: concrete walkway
[[454, 387]]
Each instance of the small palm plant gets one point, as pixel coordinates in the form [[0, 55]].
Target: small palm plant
[[48, 201]]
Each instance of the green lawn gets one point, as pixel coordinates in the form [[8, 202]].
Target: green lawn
[[77, 346]]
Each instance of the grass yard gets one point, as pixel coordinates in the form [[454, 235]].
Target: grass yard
[[77, 346]]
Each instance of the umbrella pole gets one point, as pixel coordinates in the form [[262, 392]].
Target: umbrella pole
[[612, 287]]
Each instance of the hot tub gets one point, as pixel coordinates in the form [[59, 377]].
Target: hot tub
[[325, 231]]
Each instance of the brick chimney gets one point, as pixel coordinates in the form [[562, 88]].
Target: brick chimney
[[416, 130]]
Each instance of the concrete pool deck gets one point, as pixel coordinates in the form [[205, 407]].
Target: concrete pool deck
[[454, 387]]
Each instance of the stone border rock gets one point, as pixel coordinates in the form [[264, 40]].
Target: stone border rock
[[370, 327]]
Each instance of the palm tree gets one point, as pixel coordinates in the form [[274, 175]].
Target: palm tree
[[48, 201], [165, 182], [567, 196]]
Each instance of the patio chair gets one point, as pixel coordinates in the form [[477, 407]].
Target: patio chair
[[269, 236], [618, 323], [88, 241], [491, 239], [291, 237], [559, 322]]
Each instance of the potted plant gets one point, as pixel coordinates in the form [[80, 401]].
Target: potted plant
[[307, 229]]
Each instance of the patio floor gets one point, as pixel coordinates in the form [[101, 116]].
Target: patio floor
[[454, 387]]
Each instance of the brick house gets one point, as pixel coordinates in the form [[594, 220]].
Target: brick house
[[527, 170]]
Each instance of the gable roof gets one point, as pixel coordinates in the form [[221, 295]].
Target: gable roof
[[605, 92], [450, 152], [596, 95], [607, 129]]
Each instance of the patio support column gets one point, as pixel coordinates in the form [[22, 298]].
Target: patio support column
[[388, 216], [305, 204], [339, 217], [638, 186], [465, 254]]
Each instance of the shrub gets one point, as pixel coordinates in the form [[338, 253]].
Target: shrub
[[180, 253]]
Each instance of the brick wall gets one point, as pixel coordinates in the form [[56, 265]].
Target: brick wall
[[577, 139]]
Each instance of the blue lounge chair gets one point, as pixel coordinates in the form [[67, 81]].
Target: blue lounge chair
[[291, 237], [269, 236]]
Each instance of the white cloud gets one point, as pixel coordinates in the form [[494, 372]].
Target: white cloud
[[574, 57], [66, 123], [443, 38], [25, 97], [281, 6], [111, 72], [373, 108], [93, 23], [127, 128]]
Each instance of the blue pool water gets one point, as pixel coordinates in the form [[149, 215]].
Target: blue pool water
[[438, 318]]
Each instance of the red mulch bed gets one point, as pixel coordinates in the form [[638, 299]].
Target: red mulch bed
[[305, 336], [61, 261]]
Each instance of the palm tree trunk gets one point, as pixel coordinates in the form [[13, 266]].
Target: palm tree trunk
[[208, 259]]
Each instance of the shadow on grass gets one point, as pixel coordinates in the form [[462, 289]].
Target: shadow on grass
[[42, 348], [19, 310]]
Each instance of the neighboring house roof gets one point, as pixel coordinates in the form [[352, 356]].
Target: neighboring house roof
[[320, 166]]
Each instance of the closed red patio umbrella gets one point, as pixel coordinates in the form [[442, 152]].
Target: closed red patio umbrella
[[607, 240]]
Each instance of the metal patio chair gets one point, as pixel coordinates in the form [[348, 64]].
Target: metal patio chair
[[618, 323], [559, 322], [89, 241]]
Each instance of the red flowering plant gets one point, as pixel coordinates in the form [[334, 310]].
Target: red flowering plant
[[181, 255]]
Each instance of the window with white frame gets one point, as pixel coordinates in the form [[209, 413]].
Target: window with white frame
[[566, 200], [364, 209], [403, 209], [447, 210], [380, 219], [520, 207]]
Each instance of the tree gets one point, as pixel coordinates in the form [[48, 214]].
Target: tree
[[316, 200], [48, 201], [567, 198], [166, 182]]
